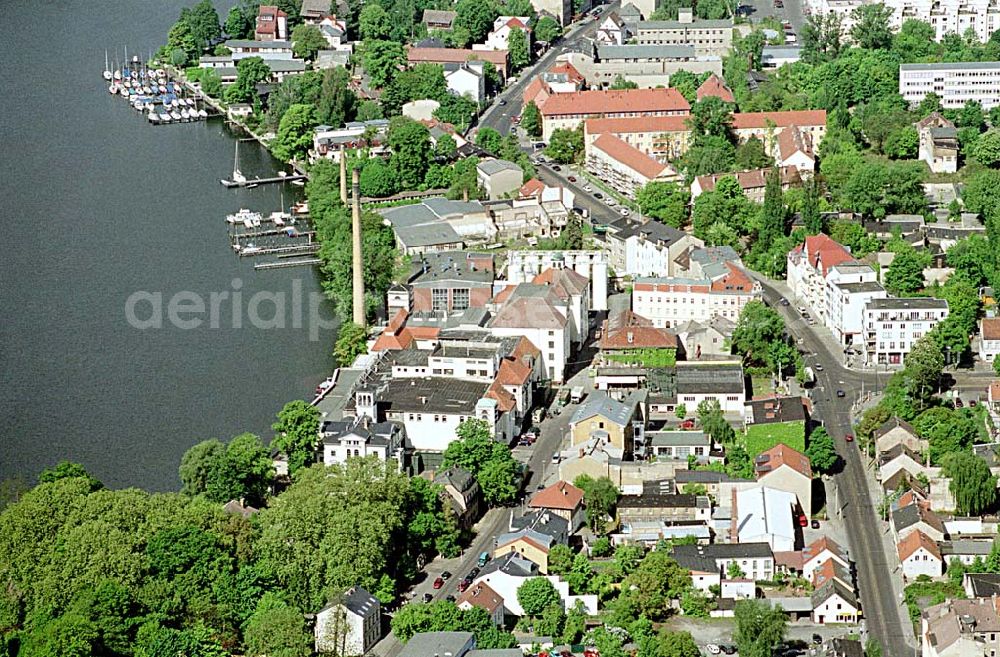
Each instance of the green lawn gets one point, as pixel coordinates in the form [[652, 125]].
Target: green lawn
[[762, 437]]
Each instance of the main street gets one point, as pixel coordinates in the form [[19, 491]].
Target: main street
[[874, 570]]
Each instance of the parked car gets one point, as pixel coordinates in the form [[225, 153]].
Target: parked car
[[556, 459], [784, 301], [588, 188], [438, 583], [819, 367], [598, 195], [556, 167], [464, 584], [571, 178], [841, 394], [450, 598], [446, 575], [428, 597], [849, 437], [817, 639], [728, 649], [973, 403], [815, 524], [803, 521], [958, 402], [503, 102], [712, 649], [687, 424], [474, 572]]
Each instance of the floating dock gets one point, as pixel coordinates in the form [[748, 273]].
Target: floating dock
[[253, 182], [281, 264]]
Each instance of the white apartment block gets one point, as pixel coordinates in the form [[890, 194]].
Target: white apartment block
[[949, 16], [842, 8], [893, 325], [649, 249], [807, 269], [849, 288], [709, 37], [668, 302], [523, 266], [955, 83]]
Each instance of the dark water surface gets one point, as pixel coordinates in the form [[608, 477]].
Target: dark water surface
[[95, 205]]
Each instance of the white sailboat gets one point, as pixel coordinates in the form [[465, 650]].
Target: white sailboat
[[107, 71], [238, 176]]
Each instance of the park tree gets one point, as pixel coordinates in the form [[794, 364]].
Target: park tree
[[772, 218], [760, 627], [821, 451], [297, 434], [669, 644], [337, 103], [971, 116], [307, 40], [914, 41], [489, 140], [946, 431], [410, 142], [211, 83], [382, 60], [871, 26], [488, 460], [811, 215], [560, 559], [687, 84], [535, 595], [708, 154], [665, 201], [599, 497], [922, 371], [378, 178], [713, 422], [531, 119], [518, 49], [374, 23], [902, 143], [547, 29], [295, 133], [241, 19], [565, 145], [68, 469], [987, 148], [972, 483], [905, 275], [822, 38], [277, 630], [477, 17], [651, 589], [760, 338]]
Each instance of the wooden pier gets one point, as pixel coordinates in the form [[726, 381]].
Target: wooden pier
[[264, 181], [303, 249], [281, 264]]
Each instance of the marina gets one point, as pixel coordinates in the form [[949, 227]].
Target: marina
[[150, 90], [281, 234]]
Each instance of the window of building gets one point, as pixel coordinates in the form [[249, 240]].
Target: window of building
[[439, 299], [460, 299]]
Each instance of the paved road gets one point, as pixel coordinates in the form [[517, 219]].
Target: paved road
[[791, 12], [874, 570]]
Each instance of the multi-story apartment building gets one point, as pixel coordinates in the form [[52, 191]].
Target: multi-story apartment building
[[570, 109], [808, 266], [649, 249], [849, 287], [664, 138], [949, 16], [955, 83], [843, 9], [893, 325], [709, 37], [624, 167], [668, 302]]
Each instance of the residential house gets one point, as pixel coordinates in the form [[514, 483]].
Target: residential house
[[965, 551], [916, 517], [679, 445], [648, 249], [850, 286], [350, 625], [360, 438], [466, 80], [456, 644], [482, 596], [528, 544], [505, 576], [624, 167], [795, 149], [715, 86], [919, 555], [807, 269], [773, 57], [938, 143], [777, 410], [416, 55], [439, 224], [753, 182], [981, 585], [975, 20], [835, 603], [722, 381], [499, 178], [629, 339], [545, 320], [272, 24], [719, 485], [820, 552], [614, 423], [266, 50], [960, 628], [658, 508], [989, 338], [955, 83], [766, 515], [892, 326], [561, 499], [709, 38], [570, 109], [313, 11], [768, 126], [829, 570], [330, 142], [499, 36], [709, 564], [898, 432], [899, 457], [611, 31], [437, 19], [785, 469], [709, 339], [671, 301], [562, 77], [462, 493]]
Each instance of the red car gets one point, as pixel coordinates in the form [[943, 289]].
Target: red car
[[687, 424], [438, 583], [464, 584], [849, 437], [803, 521]]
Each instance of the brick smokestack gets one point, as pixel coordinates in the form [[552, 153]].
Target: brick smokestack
[[358, 287], [343, 175]]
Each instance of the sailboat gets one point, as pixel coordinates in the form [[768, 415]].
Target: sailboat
[[238, 177], [107, 71]]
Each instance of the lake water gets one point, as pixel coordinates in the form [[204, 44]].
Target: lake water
[[97, 205]]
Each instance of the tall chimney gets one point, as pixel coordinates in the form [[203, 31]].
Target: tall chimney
[[358, 287], [343, 175]]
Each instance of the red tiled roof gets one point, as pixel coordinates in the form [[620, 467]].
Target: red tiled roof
[[391, 342], [504, 294], [516, 22], [994, 391], [714, 86], [824, 252], [630, 156], [569, 70], [536, 91], [397, 322], [779, 455], [913, 542], [456, 55], [829, 569], [482, 596], [991, 328], [624, 125], [560, 495], [817, 547], [505, 400], [531, 188], [423, 332], [762, 120], [790, 560], [627, 330], [735, 281], [526, 352], [512, 373], [791, 140], [630, 101], [753, 179]]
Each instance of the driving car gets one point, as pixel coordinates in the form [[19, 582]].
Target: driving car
[[598, 195], [849, 437], [503, 101], [841, 393], [556, 167], [819, 367], [784, 302]]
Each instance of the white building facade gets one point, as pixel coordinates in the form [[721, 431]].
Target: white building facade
[[954, 83], [893, 325], [849, 288]]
